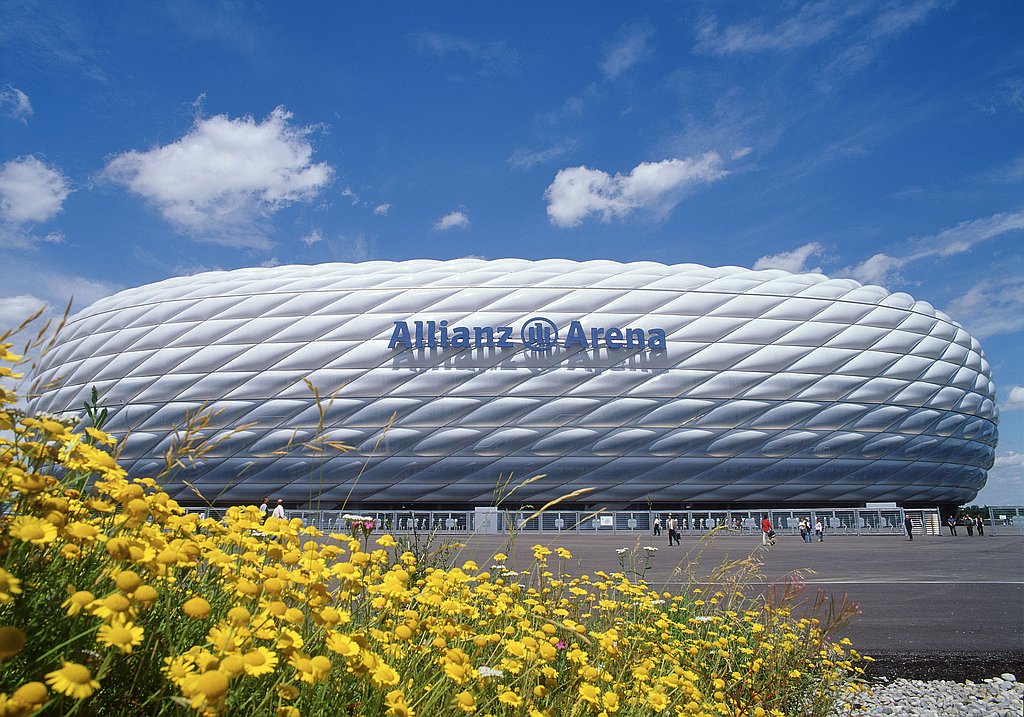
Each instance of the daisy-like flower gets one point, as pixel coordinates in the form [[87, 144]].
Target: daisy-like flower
[[9, 586], [31, 695], [465, 702], [123, 636], [12, 640], [197, 608], [112, 607], [33, 530], [80, 530], [77, 602], [259, 661], [73, 680]]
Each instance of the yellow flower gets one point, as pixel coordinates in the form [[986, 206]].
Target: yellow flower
[[205, 688], [79, 530], [611, 701], [31, 695], [123, 636], [387, 541], [9, 586], [395, 701], [287, 711], [127, 581], [146, 595], [590, 693], [383, 676], [510, 698], [112, 606], [657, 701], [196, 608], [12, 640], [259, 661], [72, 680], [465, 702], [342, 644], [33, 530]]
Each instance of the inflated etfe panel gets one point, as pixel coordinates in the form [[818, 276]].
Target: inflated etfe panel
[[652, 384]]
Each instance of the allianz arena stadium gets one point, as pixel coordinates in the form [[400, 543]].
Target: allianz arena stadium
[[656, 386]]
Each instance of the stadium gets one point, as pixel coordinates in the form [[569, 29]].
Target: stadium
[[433, 383]]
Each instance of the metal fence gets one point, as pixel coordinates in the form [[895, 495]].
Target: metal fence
[[1006, 520], [835, 521]]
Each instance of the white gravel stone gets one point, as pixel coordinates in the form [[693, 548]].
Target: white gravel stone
[[995, 697]]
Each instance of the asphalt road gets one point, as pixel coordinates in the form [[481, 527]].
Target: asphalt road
[[938, 606]]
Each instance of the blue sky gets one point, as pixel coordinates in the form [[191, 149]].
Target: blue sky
[[882, 141]]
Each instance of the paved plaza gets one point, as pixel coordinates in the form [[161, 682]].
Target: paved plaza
[[938, 598]]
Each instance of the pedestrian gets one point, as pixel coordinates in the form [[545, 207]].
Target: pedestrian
[[767, 532], [279, 509], [264, 509], [673, 530], [951, 522], [908, 525], [657, 525], [805, 529], [970, 526], [980, 523], [819, 530]]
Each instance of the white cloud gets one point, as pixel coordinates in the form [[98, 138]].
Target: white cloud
[[524, 159], [270, 263], [578, 192], [993, 306], [629, 51], [381, 210], [312, 238], [15, 104], [452, 220], [30, 191], [15, 309], [347, 192], [794, 261], [1005, 484], [1014, 399], [811, 24], [883, 268], [492, 57], [219, 180]]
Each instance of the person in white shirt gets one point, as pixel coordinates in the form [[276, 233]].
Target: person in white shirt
[[264, 509], [279, 509]]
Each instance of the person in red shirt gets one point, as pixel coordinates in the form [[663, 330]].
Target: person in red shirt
[[767, 532]]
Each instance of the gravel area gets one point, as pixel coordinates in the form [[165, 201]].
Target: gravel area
[[1001, 696]]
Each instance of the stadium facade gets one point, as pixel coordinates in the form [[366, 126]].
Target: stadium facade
[[655, 386]]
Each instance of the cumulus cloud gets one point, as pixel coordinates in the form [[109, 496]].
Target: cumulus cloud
[[883, 268], [578, 192], [993, 306], [630, 50], [225, 175], [1014, 399], [15, 104], [381, 210], [794, 261], [30, 191], [452, 220]]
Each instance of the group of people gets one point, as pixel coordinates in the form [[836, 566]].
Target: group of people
[[672, 525], [970, 522], [278, 511], [806, 530]]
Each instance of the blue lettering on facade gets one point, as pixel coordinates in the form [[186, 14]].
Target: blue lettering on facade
[[537, 334]]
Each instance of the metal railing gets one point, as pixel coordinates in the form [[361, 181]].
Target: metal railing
[[835, 521], [1006, 520]]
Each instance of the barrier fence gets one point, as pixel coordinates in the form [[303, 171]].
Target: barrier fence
[[835, 521], [1006, 520]]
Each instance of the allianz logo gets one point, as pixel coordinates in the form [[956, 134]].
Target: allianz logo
[[536, 334]]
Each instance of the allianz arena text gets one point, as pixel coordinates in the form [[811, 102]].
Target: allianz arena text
[[655, 386]]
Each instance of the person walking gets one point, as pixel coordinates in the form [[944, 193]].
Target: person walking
[[908, 525], [804, 528], [819, 530], [264, 509], [657, 525], [673, 530], [980, 523], [970, 526], [767, 532], [951, 522], [279, 509]]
